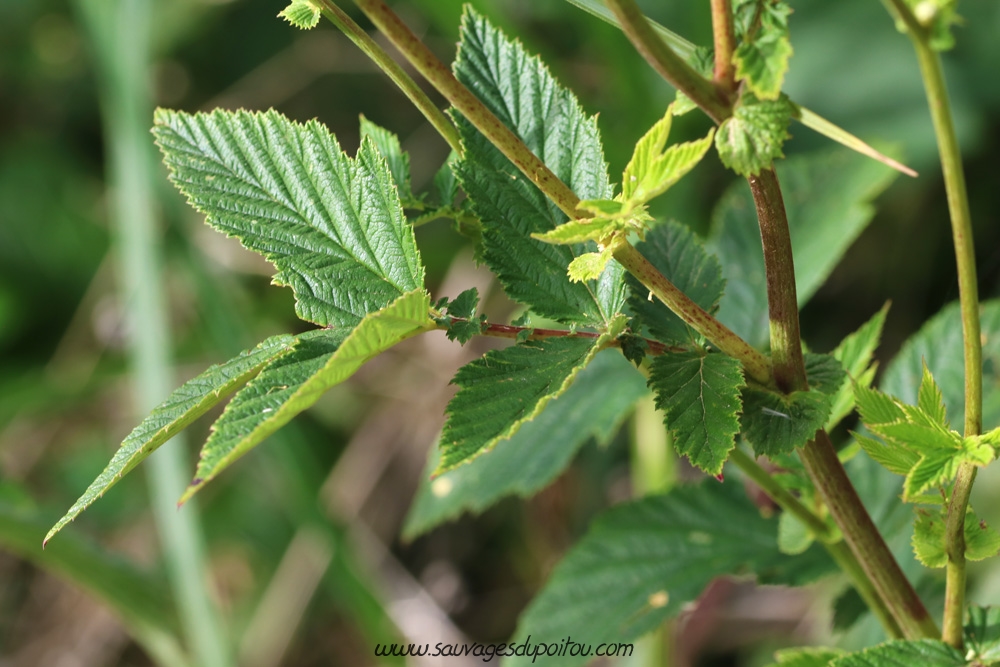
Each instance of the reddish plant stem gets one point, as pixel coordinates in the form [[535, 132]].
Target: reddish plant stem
[[512, 331], [725, 44]]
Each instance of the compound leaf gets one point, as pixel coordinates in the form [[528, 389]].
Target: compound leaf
[[642, 561], [185, 404], [931, 401], [521, 91], [594, 406], [828, 197], [507, 388], [751, 139], [678, 254], [900, 653], [295, 381], [333, 226], [893, 457], [699, 395], [652, 170]]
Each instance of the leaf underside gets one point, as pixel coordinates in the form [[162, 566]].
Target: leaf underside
[[522, 93], [332, 225]]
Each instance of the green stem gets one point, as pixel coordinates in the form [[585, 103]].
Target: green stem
[[830, 540], [965, 256], [370, 48], [756, 364], [782, 302], [724, 33], [712, 100], [460, 97], [120, 32]]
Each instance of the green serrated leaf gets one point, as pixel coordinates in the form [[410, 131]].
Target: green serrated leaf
[[929, 542], [507, 388], [642, 561], [295, 381], [185, 404], [398, 160], [751, 139], [679, 255], [521, 91], [900, 653], [699, 395], [855, 354], [939, 345], [931, 401], [332, 225], [877, 408], [594, 406], [302, 14], [579, 231], [775, 423], [465, 304], [893, 457], [828, 197], [652, 170], [824, 373], [762, 59], [589, 265], [934, 469], [812, 656], [982, 633]]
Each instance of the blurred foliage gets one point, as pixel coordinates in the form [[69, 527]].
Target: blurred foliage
[[340, 480]]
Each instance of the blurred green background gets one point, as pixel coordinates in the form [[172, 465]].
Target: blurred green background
[[301, 536]]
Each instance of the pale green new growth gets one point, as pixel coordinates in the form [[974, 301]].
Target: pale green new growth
[[509, 387], [652, 170], [762, 58], [302, 14], [589, 266], [930, 544], [751, 139], [699, 395], [295, 382], [332, 225], [188, 402]]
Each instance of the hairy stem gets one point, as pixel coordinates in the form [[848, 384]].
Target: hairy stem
[[460, 97], [370, 48], [756, 364], [782, 302], [668, 64], [965, 256], [725, 44], [830, 540]]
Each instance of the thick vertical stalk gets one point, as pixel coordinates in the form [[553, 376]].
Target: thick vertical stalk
[[965, 256], [121, 33], [782, 302]]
